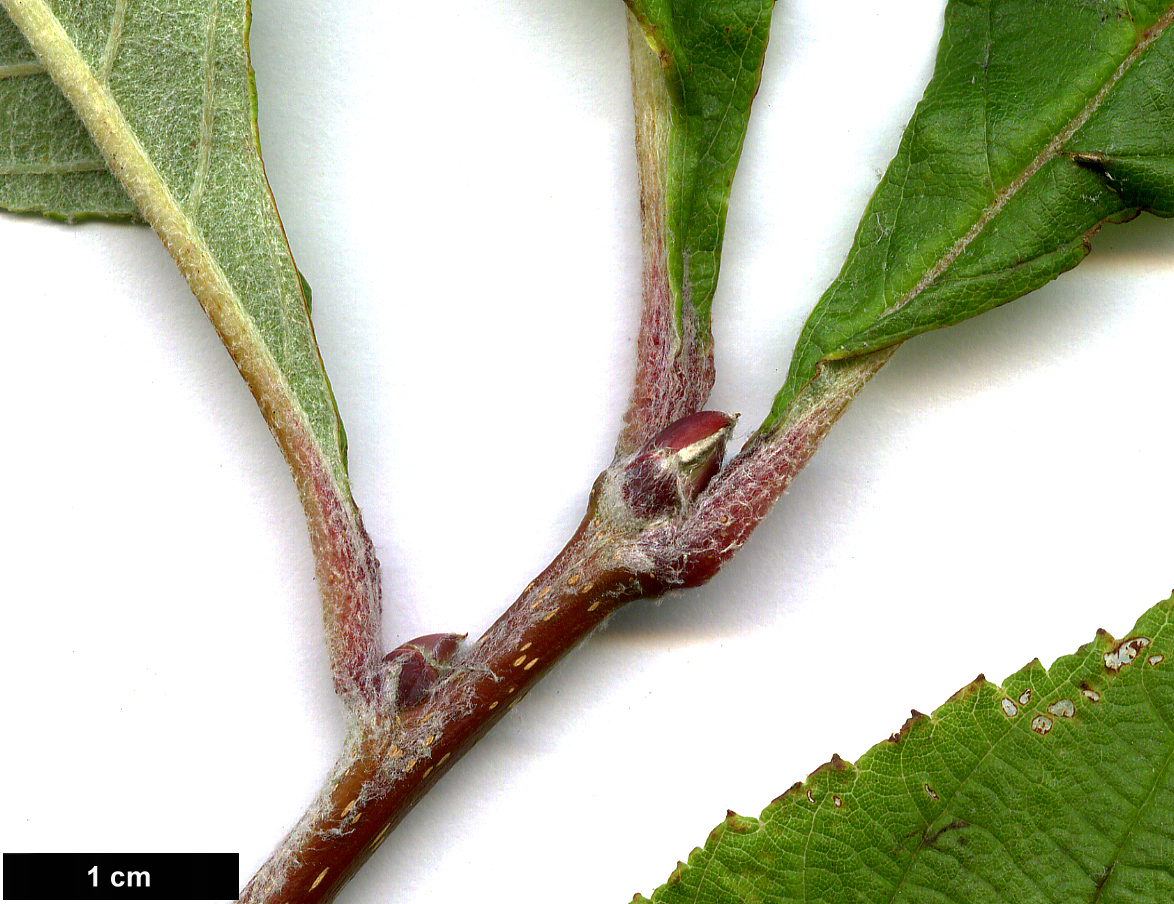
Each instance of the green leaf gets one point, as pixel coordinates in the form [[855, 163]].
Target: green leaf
[[1056, 786], [1041, 123], [711, 54], [166, 93], [48, 162]]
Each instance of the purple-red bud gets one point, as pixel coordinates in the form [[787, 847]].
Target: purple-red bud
[[422, 661], [676, 464], [693, 429], [441, 647], [415, 677]]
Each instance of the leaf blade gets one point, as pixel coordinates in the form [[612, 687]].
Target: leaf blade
[[987, 199], [712, 54], [1055, 785]]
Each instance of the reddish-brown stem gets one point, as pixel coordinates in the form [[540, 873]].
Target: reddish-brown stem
[[392, 758], [388, 764], [656, 521]]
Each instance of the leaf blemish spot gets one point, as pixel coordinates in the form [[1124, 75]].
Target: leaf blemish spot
[[933, 795], [1155, 659], [1025, 697], [1041, 725], [1062, 708], [1009, 707], [1125, 652]]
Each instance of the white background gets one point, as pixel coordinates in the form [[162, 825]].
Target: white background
[[458, 186]]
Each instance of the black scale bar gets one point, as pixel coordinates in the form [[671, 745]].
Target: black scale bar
[[120, 877]]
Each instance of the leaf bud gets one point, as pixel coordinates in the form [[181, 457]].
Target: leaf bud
[[674, 466], [422, 662]]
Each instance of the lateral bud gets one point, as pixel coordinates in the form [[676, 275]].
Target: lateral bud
[[422, 662], [673, 468]]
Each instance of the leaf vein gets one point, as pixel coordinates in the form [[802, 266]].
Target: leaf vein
[[117, 21], [207, 116], [15, 70], [17, 168]]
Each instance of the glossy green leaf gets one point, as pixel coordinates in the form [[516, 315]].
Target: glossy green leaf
[[1055, 787], [712, 55], [1042, 122], [48, 162]]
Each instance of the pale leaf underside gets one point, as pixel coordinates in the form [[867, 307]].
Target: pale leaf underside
[[179, 75], [48, 163], [166, 92]]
